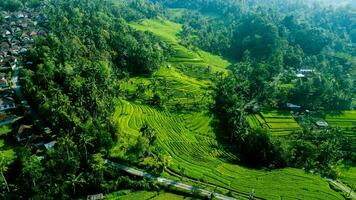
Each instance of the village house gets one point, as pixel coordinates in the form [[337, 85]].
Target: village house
[[302, 73], [20, 16], [33, 34], [6, 33], [14, 42], [322, 123], [15, 50], [13, 23], [3, 82], [50, 145], [24, 133], [5, 117], [8, 63], [7, 103], [293, 106], [7, 93]]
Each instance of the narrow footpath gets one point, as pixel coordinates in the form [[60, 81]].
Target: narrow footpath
[[344, 188]]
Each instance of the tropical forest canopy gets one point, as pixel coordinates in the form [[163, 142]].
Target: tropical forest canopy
[[73, 83]]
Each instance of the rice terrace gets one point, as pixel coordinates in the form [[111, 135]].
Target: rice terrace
[[173, 99]]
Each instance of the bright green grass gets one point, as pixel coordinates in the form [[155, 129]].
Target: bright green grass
[[346, 119], [188, 137], [347, 173], [170, 196], [253, 121], [7, 153], [188, 81], [141, 195], [4, 130], [144, 195], [168, 32], [278, 124]]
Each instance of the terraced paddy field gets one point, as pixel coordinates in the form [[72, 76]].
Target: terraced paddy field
[[347, 173], [189, 138], [279, 124], [144, 195], [168, 32], [345, 120]]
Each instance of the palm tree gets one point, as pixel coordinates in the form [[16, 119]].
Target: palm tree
[[86, 140], [74, 180], [66, 142]]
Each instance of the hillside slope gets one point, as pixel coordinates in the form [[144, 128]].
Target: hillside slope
[[189, 137]]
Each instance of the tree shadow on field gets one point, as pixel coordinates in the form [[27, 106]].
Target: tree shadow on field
[[224, 142]]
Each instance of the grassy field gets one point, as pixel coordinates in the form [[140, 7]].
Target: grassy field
[[189, 138], [144, 195], [7, 154], [279, 124], [345, 120], [347, 173]]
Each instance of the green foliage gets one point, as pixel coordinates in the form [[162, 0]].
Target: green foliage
[[257, 35], [312, 149], [90, 53], [72, 85], [133, 10], [11, 5], [283, 37], [318, 150]]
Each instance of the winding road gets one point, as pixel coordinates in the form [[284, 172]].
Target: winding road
[[170, 183]]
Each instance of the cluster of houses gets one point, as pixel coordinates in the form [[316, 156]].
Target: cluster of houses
[[17, 34], [14, 41]]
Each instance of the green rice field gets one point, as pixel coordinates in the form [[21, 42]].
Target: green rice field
[[347, 174], [188, 137], [279, 124], [346, 121], [144, 195]]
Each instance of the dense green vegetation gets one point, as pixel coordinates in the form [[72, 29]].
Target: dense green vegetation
[[195, 91], [276, 42], [72, 84], [16, 5]]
